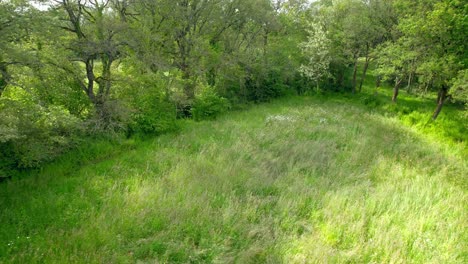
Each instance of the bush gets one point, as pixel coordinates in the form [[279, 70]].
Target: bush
[[153, 116], [264, 89], [208, 104], [31, 134], [148, 98]]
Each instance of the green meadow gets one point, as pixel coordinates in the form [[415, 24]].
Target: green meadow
[[297, 180], [233, 131]]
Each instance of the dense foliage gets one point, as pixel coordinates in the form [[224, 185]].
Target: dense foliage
[[72, 70]]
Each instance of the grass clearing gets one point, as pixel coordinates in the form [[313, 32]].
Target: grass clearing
[[299, 180]]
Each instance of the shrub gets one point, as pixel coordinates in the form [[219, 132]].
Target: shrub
[[148, 98], [208, 104], [31, 134], [153, 116], [264, 89]]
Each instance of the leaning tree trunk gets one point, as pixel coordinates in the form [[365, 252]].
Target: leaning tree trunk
[[442, 97], [366, 66], [396, 89]]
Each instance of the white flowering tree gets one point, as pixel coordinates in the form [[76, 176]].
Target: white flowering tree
[[316, 50]]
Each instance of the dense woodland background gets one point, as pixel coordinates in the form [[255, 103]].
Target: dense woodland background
[[73, 71]]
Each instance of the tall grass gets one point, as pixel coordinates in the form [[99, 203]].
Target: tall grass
[[300, 180]]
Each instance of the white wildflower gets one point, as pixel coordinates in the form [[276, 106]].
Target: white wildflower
[[280, 118]]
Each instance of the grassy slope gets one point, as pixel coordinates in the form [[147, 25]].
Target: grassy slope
[[298, 180]]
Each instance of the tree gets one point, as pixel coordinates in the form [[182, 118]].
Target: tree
[[354, 28], [437, 29], [93, 29], [316, 49], [394, 63], [14, 18]]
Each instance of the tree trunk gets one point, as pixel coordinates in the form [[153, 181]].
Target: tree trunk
[[366, 66], [355, 72], [396, 89], [105, 79], [91, 78], [377, 85], [441, 99], [265, 47], [211, 76], [378, 81], [410, 79], [189, 89], [104, 82]]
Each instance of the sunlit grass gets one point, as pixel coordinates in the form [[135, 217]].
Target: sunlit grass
[[299, 180]]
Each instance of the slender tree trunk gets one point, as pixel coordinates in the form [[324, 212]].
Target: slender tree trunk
[[265, 47], [410, 79], [363, 77], [184, 47], [355, 72], [211, 76], [396, 89], [366, 66], [442, 97]]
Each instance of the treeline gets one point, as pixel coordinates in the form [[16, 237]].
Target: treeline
[[420, 43], [71, 70]]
